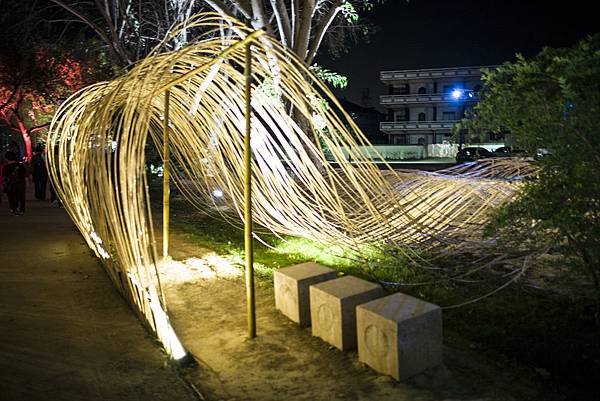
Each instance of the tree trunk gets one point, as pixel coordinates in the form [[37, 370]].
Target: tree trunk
[[26, 137]]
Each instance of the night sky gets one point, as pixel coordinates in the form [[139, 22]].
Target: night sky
[[452, 33]]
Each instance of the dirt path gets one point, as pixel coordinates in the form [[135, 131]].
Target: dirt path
[[206, 297], [65, 332]]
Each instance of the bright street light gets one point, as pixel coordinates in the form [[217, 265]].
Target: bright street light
[[217, 193], [457, 93]]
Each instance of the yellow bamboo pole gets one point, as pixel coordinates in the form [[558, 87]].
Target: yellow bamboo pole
[[166, 177], [250, 302]]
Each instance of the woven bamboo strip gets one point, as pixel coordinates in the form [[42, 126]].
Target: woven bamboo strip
[[98, 165]]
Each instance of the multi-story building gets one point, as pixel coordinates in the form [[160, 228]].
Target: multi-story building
[[367, 119], [423, 105]]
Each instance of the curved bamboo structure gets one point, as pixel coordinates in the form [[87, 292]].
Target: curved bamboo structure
[[99, 167]]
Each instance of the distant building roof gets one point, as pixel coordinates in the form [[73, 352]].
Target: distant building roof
[[430, 73]]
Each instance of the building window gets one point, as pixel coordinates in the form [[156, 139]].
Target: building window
[[448, 116], [401, 115], [422, 90], [448, 88], [400, 140], [422, 116], [401, 90]]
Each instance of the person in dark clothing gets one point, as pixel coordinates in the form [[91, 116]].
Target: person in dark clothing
[[53, 195], [2, 164], [14, 147], [14, 175], [39, 173]]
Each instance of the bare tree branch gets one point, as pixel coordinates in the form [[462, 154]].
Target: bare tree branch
[[322, 27], [304, 29], [223, 9], [116, 51], [259, 19], [283, 22], [132, 27], [244, 8], [38, 128]]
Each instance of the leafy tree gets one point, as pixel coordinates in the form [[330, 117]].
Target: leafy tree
[[35, 77], [130, 28], [302, 25], [551, 101], [331, 77]]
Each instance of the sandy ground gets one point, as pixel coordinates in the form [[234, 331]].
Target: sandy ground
[[206, 297], [65, 332]]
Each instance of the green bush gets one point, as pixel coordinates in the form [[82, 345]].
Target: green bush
[[551, 102]]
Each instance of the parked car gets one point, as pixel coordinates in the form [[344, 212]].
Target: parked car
[[541, 153], [471, 154], [509, 151]]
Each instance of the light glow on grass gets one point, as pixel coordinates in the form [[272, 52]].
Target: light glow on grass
[[331, 255]]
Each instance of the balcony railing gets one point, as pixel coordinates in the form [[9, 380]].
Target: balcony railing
[[433, 98], [434, 73], [417, 125]]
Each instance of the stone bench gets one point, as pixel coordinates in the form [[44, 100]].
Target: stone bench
[[292, 289], [333, 309], [399, 335]]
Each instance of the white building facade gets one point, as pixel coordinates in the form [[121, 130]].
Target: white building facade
[[423, 105]]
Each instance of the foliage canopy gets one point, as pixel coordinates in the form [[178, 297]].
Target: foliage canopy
[[36, 77], [131, 28], [551, 102]]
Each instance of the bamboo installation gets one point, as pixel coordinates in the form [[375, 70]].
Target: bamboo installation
[[98, 165]]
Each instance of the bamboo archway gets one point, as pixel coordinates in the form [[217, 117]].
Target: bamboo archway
[[99, 168]]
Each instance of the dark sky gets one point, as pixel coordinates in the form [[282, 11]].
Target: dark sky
[[449, 33]]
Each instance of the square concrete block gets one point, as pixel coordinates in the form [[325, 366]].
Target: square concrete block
[[333, 309], [291, 289], [399, 335]]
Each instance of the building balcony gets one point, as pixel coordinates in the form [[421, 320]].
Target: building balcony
[[432, 74], [393, 100], [389, 127]]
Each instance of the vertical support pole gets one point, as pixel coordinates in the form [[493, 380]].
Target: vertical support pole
[[166, 177], [250, 302]]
